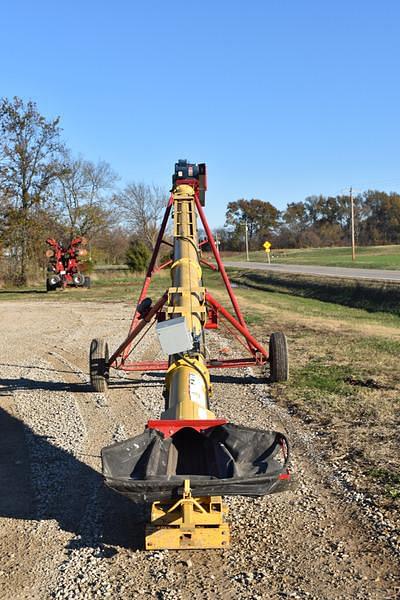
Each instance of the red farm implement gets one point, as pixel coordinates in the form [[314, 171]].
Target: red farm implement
[[146, 312], [63, 268]]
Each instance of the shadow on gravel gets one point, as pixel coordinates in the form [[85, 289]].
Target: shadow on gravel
[[37, 368], [126, 383], [239, 379], [43, 482], [159, 379], [24, 383], [8, 386]]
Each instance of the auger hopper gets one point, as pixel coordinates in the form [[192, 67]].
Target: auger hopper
[[188, 458], [222, 459]]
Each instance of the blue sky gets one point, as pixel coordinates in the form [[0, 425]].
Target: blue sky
[[281, 98]]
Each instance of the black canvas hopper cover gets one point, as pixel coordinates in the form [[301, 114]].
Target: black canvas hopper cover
[[221, 460]]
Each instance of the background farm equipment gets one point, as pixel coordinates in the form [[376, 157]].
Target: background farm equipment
[[185, 460], [63, 268]]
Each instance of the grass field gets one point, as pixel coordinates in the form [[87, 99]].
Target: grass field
[[344, 380], [373, 257], [374, 296]]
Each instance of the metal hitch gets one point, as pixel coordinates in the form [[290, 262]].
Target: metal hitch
[[189, 522]]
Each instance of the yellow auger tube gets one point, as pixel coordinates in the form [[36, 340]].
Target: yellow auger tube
[[188, 380], [190, 522]]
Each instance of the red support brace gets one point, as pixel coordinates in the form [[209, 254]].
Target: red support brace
[[253, 344], [123, 349], [219, 262], [150, 270], [208, 264], [259, 355]]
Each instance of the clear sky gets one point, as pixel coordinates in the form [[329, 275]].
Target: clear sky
[[281, 98]]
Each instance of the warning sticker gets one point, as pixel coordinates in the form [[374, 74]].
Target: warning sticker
[[197, 390]]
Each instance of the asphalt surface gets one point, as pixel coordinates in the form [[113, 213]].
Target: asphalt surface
[[375, 274]]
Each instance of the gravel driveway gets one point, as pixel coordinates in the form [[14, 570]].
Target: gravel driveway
[[64, 535]]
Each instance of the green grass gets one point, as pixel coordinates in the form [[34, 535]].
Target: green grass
[[125, 287], [326, 377], [389, 479], [344, 377], [367, 295], [106, 287], [372, 257]]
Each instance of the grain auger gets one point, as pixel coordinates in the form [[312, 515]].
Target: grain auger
[[187, 459]]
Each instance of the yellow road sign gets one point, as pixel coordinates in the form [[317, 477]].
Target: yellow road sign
[[267, 246]]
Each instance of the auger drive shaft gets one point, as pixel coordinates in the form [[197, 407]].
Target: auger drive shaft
[[187, 459]]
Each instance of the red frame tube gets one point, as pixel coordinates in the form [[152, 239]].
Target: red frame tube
[[258, 352], [208, 264], [243, 329], [219, 262], [152, 263], [162, 365], [170, 426], [122, 349], [163, 266], [150, 271]]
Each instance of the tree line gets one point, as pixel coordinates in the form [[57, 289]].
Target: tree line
[[48, 191], [318, 221]]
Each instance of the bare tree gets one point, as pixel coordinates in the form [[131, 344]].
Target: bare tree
[[83, 195], [142, 209], [111, 245], [29, 151]]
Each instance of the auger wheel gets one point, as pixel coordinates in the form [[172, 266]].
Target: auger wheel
[[278, 357], [98, 365]]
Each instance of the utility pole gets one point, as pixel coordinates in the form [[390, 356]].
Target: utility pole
[[217, 242], [247, 241], [353, 240]]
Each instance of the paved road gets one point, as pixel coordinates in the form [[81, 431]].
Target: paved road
[[376, 274]]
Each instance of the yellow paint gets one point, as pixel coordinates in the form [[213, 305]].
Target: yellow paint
[[267, 246], [188, 381], [188, 523]]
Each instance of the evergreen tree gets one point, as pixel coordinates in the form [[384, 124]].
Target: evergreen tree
[[137, 255]]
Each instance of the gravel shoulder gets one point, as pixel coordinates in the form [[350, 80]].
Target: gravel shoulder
[[64, 535]]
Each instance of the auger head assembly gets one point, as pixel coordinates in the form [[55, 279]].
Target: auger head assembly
[[187, 459]]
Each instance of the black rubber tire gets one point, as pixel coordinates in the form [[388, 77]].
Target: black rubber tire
[[98, 365], [87, 283], [78, 279], [278, 357], [52, 283]]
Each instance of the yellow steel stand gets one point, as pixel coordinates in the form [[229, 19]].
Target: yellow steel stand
[[188, 523]]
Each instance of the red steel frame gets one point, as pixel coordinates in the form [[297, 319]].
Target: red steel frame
[[66, 269], [258, 355]]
